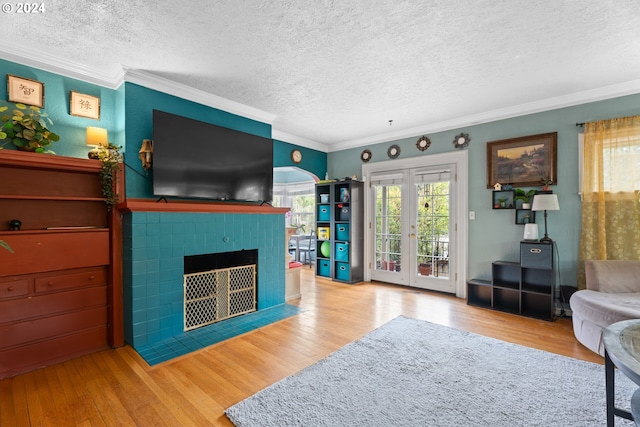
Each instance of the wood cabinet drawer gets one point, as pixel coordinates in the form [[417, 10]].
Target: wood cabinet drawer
[[71, 280], [20, 333], [14, 288], [42, 305]]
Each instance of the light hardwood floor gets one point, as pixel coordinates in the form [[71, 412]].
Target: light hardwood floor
[[117, 388]]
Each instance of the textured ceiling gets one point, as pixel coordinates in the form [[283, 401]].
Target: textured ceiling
[[336, 72]]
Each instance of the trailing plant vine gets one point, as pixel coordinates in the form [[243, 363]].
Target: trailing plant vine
[[109, 156], [6, 246]]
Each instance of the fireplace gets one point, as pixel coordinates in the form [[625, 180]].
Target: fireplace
[[159, 248], [219, 286]]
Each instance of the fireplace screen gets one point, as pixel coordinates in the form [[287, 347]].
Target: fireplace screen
[[214, 295]]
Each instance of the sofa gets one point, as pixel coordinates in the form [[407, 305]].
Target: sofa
[[612, 294]]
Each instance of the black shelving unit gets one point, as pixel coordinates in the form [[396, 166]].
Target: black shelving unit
[[524, 287], [340, 230]]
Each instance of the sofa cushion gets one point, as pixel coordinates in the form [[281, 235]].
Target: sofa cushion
[[594, 311], [604, 309]]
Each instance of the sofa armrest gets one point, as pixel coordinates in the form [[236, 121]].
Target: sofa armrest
[[612, 276]]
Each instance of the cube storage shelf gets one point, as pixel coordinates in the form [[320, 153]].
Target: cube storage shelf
[[524, 288], [340, 230]]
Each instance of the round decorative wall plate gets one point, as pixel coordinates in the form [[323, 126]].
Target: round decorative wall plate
[[393, 151], [423, 143], [296, 156], [461, 140], [365, 156]]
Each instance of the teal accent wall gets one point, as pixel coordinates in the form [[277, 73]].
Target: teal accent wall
[[493, 235], [313, 161], [72, 129], [139, 105], [154, 246]]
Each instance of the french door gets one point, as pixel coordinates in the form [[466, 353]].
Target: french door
[[413, 233]]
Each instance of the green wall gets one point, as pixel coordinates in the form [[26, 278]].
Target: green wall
[[493, 234]]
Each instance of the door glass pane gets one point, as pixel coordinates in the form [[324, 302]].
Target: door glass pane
[[387, 227], [433, 229]]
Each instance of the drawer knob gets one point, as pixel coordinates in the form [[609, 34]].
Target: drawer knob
[[10, 288], [92, 277]]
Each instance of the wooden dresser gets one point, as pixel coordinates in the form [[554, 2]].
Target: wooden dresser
[[60, 293]]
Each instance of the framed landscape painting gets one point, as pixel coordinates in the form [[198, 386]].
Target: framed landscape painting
[[523, 162]]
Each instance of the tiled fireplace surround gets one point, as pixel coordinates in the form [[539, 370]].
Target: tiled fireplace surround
[[154, 247]]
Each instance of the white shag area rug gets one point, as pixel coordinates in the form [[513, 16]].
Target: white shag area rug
[[410, 372]]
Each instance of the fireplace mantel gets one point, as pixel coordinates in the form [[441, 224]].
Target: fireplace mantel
[[151, 205]]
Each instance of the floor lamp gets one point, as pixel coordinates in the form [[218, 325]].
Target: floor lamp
[[545, 202]]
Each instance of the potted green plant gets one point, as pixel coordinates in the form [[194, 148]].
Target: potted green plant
[[26, 128], [109, 156], [299, 227], [525, 196], [546, 183]]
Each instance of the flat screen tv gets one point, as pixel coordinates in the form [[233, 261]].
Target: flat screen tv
[[194, 159]]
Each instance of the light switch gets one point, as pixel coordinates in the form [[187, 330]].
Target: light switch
[[472, 215]]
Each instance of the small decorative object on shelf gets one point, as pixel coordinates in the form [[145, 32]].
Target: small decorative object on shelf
[[365, 156], [393, 152], [497, 186], [546, 183], [423, 143], [525, 196], [461, 140], [503, 199]]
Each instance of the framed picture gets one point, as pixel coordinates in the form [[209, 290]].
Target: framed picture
[[83, 105], [25, 91], [524, 161]]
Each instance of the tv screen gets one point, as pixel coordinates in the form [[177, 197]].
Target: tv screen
[[194, 159]]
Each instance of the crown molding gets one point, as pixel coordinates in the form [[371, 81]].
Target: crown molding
[[114, 77], [578, 98], [111, 79], [180, 90], [298, 140]]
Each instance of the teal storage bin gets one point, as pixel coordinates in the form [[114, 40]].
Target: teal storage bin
[[323, 213], [342, 232], [324, 268], [342, 252], [343, 271]]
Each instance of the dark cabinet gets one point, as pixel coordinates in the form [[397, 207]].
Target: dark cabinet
[[340, 230], [524, 288]]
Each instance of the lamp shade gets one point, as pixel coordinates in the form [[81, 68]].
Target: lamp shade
[[97, 136], [545, 202]]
